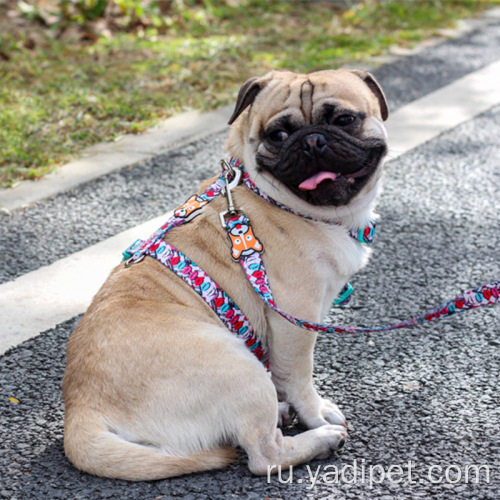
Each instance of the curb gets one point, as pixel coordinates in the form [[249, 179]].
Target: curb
[[126, 151], [177, 131]]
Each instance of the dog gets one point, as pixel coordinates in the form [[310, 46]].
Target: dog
[[155, 386]]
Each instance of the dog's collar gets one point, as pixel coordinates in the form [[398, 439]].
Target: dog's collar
[[363, 235]]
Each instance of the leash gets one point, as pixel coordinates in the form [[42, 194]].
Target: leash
[[253, 265], [255, 271]]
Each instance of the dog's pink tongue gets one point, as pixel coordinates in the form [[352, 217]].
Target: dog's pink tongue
[[312, 182]]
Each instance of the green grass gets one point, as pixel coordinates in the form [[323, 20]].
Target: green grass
[[61, 97]]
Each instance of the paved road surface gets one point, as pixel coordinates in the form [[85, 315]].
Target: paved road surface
[[424, 401]]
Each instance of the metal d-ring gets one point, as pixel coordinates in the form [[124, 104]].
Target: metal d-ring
[[230, 171], [131, 261]]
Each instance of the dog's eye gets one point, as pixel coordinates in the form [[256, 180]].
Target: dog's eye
[[344, 120], [278, 136]]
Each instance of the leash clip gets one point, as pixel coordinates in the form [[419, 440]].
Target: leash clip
[[232, 177]]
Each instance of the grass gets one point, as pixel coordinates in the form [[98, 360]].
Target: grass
[[58, 97]]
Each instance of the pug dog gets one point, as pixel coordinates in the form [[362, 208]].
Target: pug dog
[[155, 385]]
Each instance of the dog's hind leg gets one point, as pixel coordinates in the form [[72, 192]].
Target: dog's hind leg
[[265, 444], [272, 451]]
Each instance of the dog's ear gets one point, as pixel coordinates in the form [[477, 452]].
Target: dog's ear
[[373, 85], [246, 96]]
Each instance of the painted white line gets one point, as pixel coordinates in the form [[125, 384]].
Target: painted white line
[[448, 107], [104, 158], [44, 298], [52, 294]]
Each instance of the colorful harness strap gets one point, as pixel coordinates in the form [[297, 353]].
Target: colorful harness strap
[[247, 249], [229, 313], [223, 306]]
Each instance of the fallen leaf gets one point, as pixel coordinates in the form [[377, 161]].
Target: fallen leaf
[[412, 385]]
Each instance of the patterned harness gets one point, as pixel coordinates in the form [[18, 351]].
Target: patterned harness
[[247, 249]]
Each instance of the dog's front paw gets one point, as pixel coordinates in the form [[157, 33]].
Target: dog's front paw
[[331, 413], [326, 413]]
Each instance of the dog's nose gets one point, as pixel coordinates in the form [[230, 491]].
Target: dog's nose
[[314, 145]]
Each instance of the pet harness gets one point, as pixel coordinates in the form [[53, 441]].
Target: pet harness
[[247, 249]]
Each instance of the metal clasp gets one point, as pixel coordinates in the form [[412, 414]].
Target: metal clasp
[[232, 174], [129, 262], [232, 177]]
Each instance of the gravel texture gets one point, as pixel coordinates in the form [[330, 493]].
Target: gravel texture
[[423, 398]]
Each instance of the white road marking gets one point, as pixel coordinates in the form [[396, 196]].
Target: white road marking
[[41, 299], [446, 108]]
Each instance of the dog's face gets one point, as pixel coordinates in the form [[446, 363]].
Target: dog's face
[[320, 135]]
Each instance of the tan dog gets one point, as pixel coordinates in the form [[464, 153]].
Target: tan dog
[[155, 385]]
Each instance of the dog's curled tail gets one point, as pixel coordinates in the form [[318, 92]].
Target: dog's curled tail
[[94, 449]]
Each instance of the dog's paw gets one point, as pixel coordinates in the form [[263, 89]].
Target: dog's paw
[[333, 438], [331, 413], [286, 414], [325, 413]]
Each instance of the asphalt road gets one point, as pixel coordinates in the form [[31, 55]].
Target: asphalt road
[[423, 405]]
